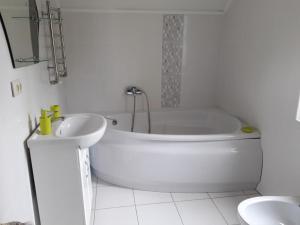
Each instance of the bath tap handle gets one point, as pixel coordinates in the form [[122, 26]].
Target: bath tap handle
[[113, 121], [132, 90]]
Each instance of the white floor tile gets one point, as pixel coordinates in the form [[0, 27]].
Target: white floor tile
[[225, 194], [116, 216], [228, 207], [147, 197], [189, 196], [109, 197], [200, 212], [158, 214]]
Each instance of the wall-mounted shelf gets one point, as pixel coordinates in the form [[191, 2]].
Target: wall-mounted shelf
[[35, 18], [30, 60], [57, 63]]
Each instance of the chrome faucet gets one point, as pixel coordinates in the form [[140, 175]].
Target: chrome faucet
[[134, 91]]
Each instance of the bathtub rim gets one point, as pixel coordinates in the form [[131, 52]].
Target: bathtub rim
[[235, 135], [181, 138]]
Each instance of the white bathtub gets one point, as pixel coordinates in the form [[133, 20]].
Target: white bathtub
[[188, 151]]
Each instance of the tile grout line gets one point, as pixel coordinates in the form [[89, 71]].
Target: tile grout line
[[226, 196], [191, 200], [177, 208], [136, 212], [154, 203], [115, 207], [173, 200], [256, 193], [219, 210]]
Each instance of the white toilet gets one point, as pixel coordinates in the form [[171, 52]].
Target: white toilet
[[270, 210]]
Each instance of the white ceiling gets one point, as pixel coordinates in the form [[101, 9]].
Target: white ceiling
[[148, 5]]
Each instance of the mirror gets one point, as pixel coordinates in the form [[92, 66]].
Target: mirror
[[20, 22]]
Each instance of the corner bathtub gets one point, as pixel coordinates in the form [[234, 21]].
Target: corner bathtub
[[187, 151]]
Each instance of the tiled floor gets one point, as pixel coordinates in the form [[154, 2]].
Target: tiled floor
[[114, 205]]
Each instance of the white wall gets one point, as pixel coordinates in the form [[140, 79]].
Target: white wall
[[260, 82], [188, 5], [15, 191], [106, 52], [202, 42]]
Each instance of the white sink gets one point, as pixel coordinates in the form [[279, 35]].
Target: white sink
[[79, 130], [85, 129], [270, 210]]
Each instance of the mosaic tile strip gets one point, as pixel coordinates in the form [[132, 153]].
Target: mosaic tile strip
[[173, 26], [171, 91], [172, 54], [172, 58]]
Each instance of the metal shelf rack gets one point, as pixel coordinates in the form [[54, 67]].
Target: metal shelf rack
[[57, 62]]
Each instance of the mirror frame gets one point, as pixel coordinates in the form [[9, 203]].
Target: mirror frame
[[33, 17], [7, 40]]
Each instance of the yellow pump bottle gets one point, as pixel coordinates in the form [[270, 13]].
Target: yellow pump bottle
[[45, 123], [56, 112]]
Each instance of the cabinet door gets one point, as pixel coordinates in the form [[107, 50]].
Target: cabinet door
[[89, 176], [86, 183]]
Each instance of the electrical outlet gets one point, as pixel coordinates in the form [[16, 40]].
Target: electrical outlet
[[16, 87]]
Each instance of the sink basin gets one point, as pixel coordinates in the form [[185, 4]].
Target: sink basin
[[85, 129], [77, 130], [270, 210]]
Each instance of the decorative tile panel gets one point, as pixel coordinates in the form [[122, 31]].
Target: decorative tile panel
[[171, 91], [172, 59], [173, 26], [172, 54]]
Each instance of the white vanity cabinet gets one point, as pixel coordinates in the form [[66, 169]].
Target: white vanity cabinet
[[61, 169], [63, 185]]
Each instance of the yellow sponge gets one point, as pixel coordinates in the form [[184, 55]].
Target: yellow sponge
[[248, 130]]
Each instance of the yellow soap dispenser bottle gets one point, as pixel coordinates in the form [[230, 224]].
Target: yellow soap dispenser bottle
[[56, 112], [45, 123]]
